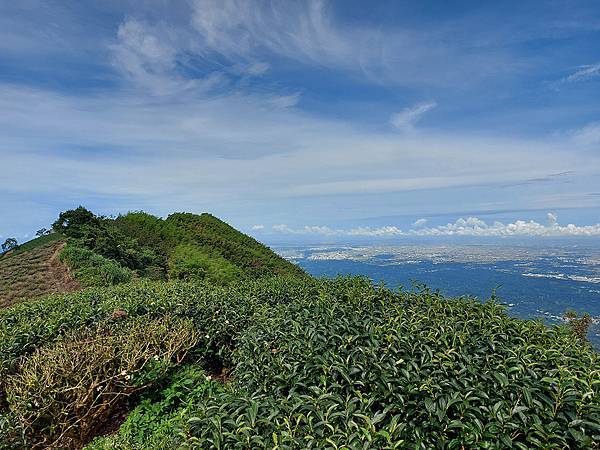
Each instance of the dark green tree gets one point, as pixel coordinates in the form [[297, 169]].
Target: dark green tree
[[74, 221]]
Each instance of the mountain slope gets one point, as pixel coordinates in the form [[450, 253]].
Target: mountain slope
[[252, 257], [34, 270], [100, 251]]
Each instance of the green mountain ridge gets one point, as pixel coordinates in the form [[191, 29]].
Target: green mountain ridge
[[105, 251]]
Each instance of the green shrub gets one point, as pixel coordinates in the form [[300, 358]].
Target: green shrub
[[151, 423], [92, 269], [189, 262], [64, 393], [359, 368]]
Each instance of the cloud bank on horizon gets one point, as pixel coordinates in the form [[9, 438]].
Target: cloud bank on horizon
[[293, 112], [471, 226]]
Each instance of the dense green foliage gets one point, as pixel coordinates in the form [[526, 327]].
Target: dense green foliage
[[190, 262], [92, 269], [154, 423], [302, 363], [184, 246]]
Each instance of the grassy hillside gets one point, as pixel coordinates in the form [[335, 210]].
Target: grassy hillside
[[34, 270], [105, 251], [184, 246], [254, 258]]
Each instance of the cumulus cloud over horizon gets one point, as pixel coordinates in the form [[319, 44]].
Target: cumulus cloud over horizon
[[470, 226]]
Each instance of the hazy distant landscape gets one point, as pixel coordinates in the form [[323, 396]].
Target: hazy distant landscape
[[532, 281]]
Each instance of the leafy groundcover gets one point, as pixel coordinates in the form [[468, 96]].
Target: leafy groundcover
[[288, 363]]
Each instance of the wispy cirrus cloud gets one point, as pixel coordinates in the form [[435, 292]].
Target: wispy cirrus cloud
[[406, 119], [588, 135], [584, 73], [310, 33]]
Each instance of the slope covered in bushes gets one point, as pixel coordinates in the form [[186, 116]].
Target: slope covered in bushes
[[104, 251], [184, 246], [296, 363]]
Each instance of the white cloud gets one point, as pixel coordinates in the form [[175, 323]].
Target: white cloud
[[308, 32], [409, 182], [202, 149], [419, 223], [588, 135], [299, 30], [258, 68], [406, 119], [327, 231], [258, 227], [585, 73], [149, 57], [471, 226], [285, 101]]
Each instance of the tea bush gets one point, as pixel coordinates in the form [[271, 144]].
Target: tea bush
[[190, 262], [305, 363], [153, 423], [378, 370], [63, 393]]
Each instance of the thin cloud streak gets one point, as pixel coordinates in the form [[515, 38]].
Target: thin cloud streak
[[406, 119], [585, 73]]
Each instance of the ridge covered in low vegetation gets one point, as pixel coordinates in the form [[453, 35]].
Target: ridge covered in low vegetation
[[103, 251], [192, 335]]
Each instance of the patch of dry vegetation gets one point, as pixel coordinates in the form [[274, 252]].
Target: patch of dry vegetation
[[34, 273]]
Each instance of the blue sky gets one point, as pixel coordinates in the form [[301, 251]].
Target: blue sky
[[305, 119]]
